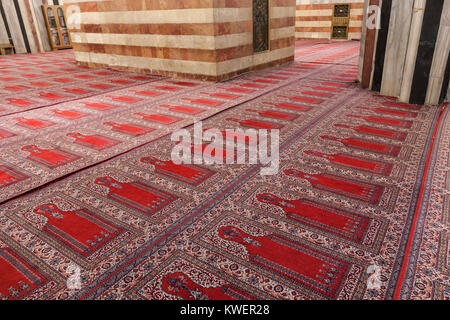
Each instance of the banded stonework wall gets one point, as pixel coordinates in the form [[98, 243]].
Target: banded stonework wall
[[202, 39], [314, 18], [408, 57], [22, 24]]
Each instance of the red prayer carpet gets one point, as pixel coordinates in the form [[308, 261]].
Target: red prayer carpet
[[86, 180]]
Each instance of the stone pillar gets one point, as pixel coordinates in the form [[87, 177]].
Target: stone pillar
[[411, 59], [205, 39]]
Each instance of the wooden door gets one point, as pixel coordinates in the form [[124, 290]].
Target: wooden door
[[341, 21], [261, 27], [56, 22]]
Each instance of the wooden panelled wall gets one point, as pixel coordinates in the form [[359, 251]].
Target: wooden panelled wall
[[202, 39], [22, 24], [408, 57], [314, 18]]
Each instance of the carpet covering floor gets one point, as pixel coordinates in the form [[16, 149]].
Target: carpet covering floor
[[86, 180]]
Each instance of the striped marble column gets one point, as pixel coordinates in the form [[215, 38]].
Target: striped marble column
[[22, 22], [206, 39]]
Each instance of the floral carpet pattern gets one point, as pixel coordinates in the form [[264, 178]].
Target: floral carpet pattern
[[87, 183]]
